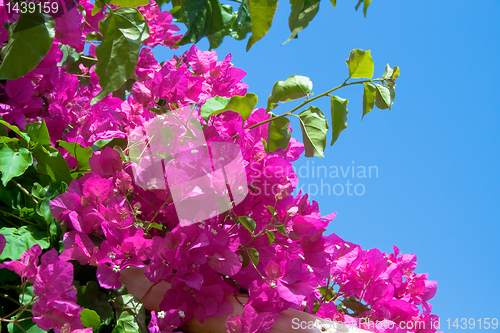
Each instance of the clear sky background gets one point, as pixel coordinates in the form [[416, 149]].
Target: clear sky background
[[437, 153]]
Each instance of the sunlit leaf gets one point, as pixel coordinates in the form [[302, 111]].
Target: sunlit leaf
[[314, 128], [339, 116], [369, 96], [242, 105], [13, 163], [296, 86], [360, 64], [385, 97], [262, 14], [303, 11]]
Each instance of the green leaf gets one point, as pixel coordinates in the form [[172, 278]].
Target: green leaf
[[339, 116], [366, 3], [16, 130], [129, 3], [242, 105], [127, 322], [213, 104], [262, 14], [303, 11], [204, 18], [395, 73], [271, 236], [90, 297], [81, 154], [13, 163], [22, 239], [242, 25], [360, 64], [90, 318], [385, 97], [281, 228], [369, 96], [38, 132], [271, 210], [255, 255], [295, 87], [314, 128], [100, 144], [227, 19], [51, 162], [30, 39], [388, 72], [248, 223], [123, 32], [98, 5], [334, 3], [279, 134]]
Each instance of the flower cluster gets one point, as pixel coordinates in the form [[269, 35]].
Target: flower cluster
[[270, 245]]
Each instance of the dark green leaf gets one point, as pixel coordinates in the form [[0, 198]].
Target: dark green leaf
[[314, 128], [281, 228], [279, 134], [38, 132], [228, 17], [129, 3], [123, 32], [90, 297], [369, 96], [28, 325], [303, 11], [242, 25], [385, 97], [204, 18], [262, 14], [334, 3], [255, 255], [100, 144], [242, 105], [13, 163], [81, 154], [271, 236], [248, 223], [339, 116], [296, 86], [30, 40], [20, 240], [51, 162], [90, 318], [360, 64], [213, 104]]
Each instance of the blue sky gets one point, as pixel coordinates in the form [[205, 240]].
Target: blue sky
[[437, 153]]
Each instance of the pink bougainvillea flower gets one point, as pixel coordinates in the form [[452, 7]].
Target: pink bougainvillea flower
[[26, 266]]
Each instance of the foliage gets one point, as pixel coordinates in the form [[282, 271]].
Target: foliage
[[75, 212]]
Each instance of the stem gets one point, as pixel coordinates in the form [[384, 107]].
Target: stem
[[312, 99], [25, 191]]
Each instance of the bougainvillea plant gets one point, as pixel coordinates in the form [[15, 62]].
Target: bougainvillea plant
[[75, 215]]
